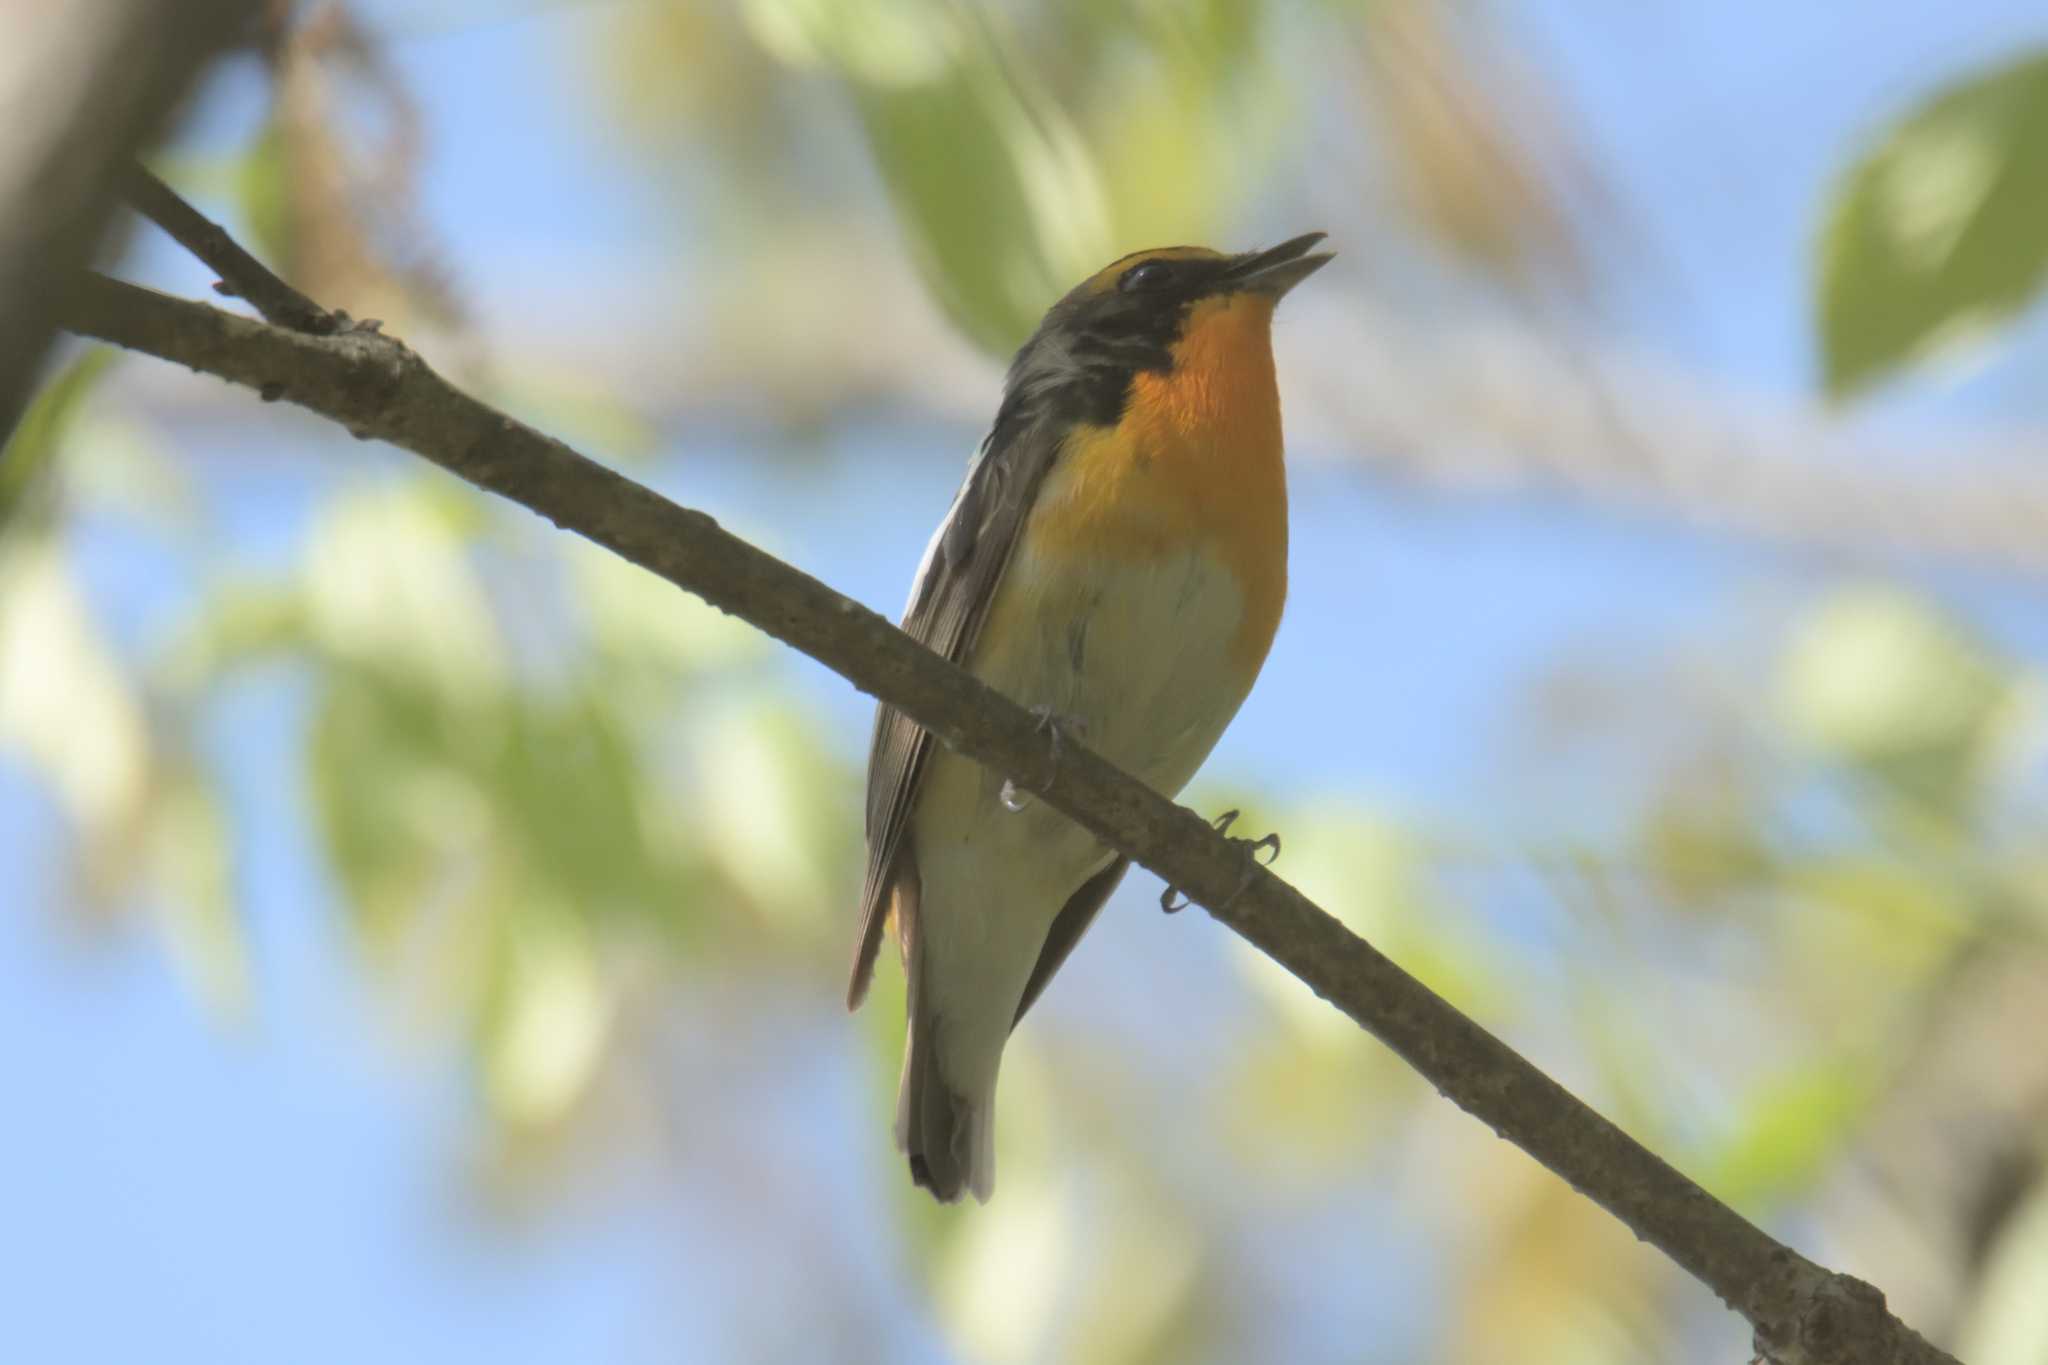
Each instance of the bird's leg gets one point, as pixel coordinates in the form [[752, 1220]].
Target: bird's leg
[[1172, 901], [1056, 726]]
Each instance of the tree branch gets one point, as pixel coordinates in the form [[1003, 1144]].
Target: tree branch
[[241, 274], [377, 388]]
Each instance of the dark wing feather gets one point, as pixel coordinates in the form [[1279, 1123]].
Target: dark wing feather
[[948, 602], [1073, 921]]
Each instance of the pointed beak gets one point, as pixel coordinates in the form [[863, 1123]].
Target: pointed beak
[[1279, 268]]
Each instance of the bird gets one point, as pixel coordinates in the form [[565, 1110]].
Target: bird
[[1116, 560]]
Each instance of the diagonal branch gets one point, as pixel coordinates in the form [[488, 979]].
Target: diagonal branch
[[241, 274], [376, 387]]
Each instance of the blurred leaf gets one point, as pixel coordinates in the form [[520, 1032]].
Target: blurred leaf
[[1704, 840], [389, 584], [67, 706], [585, 410], [771, 813], [239, 623], [999, 197], [567, 786], [870, 42], [262, 188], [1941, 232], [1874, 675], [1555, 1279], [403, 828], [1484, 156], [995, 188], [689, 68], [546, 1019], [639, 621], [190, 867], [1787, 1130], [1372, 872], [31, 450], [2008, 1322], [1905, 916], [1301, 1112]]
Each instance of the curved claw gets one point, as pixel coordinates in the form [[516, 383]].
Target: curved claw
[[1270, 845], [1056, 727], [1172, 901]]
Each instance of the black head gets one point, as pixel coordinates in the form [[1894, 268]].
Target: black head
[[1125, 319]]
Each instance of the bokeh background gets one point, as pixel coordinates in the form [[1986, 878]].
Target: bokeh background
[[425, 936]]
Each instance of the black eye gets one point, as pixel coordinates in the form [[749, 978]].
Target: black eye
[[1145, 275]]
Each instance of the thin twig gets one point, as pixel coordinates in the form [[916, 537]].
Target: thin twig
[[376, 387], [241, 274]]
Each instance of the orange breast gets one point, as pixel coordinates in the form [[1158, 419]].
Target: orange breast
[[1196, 459]]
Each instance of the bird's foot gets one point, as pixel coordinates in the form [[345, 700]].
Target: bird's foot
[[1057, 726], [1172, 901]]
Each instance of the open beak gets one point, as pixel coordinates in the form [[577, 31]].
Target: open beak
[[1278, 269]]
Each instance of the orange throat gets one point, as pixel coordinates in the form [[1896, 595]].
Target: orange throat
[[1196, 460]]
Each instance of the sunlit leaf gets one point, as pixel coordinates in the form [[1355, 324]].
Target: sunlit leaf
[[548, 1018], [993, 184], [767, 810], [65, 703], [999, 199], [1873, 674], [1787, 1130], [639, 620], [1941, 232], [871, 42], [389, 584]]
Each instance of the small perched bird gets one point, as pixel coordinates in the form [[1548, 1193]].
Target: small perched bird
[[1116, 560]]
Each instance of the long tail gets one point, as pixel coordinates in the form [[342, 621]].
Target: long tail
[[945, 1125]]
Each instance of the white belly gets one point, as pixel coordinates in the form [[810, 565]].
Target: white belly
[[1136, 653], [1139, 657]]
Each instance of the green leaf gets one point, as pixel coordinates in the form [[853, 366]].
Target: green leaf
[[191, 864], [1941, 232], [1000, 200], [1876, 678], [998, 194], [263, 192], [67, 706], [29, 452], [1786, 1131]]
